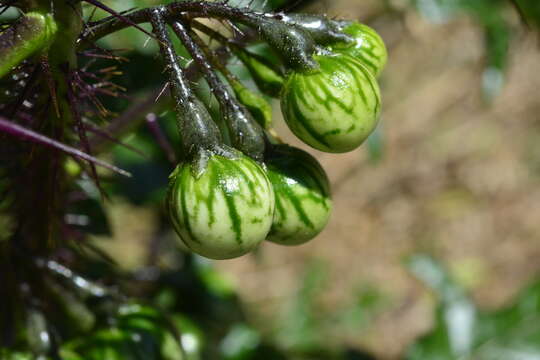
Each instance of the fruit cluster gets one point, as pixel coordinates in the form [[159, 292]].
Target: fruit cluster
[[226, 197]]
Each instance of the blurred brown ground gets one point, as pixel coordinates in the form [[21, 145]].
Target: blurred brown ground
[[459, 179]]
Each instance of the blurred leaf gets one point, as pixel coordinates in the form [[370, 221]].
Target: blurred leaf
[[301, 329], [462, 332], [438, 11], [530, 10], [150, 176], [6, 354], [110, 344], [375, 145], [141, 333], [240, 342], [455, 316], [191, 336], [368, 301], [216, 282], [497, 34], [88, 216]]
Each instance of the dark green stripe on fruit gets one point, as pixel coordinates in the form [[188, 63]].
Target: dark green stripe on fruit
[[302, 195], [225, 211], [367, 46], [185, 211], [335, 108]]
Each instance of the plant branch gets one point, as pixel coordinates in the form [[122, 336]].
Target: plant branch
[[197, 130], [171, 12], [246, 134], [24, 133]]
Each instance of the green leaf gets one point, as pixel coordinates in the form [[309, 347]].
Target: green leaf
[[455, 316], [191, 336], [462, 332], [240, 342], [141, 333], [530, 10], [6, 354], [375, 145]]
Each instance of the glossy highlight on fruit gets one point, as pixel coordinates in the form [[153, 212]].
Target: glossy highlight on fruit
[[302, 191], [334, 108], [367, 46], [224, 212]]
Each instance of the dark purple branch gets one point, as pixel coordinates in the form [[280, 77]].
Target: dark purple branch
[[118, 16], [20, 132], [100, 132], [172, 11], [128, 120], [75, 112], [161, 138]]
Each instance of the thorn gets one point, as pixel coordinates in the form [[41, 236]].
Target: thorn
[[165, 87], [71, 78], [105, 56], [105, 134], [45, 66], [30, 135], [92, 14], [161, 138], [26, 91], [118, 15]]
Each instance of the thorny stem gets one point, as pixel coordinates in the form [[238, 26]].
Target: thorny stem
[[197, 130], [234, 45], [246, 134], [218, 88], [170, 12], [27, 134], [161, 138]]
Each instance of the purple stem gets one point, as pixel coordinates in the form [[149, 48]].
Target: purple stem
[[100, 132], [23, 133], [118, 15], [163, 142]]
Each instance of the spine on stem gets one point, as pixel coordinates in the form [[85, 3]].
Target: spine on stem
[[246, 134]]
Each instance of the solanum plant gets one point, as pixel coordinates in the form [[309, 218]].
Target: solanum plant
[[235, 183]]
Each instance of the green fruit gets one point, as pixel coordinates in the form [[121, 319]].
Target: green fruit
[[225, 211], [302, 193], [334, 108], [367, 46]]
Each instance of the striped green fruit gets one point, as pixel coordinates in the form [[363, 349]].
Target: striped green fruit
[[226, 211], [333, 108], [367, 46], [302, 193]]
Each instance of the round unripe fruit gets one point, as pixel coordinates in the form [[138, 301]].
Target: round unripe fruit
[[226, 211], [367, 46], [333, 108], [302, 193]]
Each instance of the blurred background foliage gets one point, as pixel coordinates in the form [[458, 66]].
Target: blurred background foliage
[[452, 171]]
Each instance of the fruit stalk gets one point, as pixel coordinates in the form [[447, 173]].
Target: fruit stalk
[[197, 130], [246, 134]]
